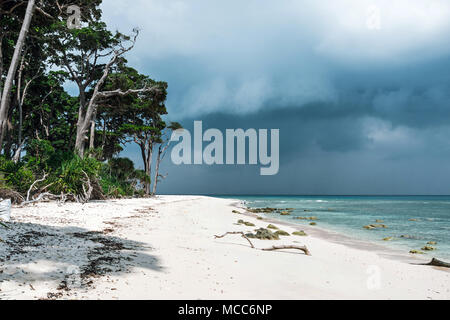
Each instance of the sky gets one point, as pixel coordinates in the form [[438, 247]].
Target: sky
[[358, 89]]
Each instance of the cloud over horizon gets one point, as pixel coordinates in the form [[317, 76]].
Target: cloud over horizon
[[372, 99]]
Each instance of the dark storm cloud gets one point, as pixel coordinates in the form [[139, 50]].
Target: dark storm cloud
[[359, 110]]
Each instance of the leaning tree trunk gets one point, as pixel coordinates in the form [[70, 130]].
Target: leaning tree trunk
[[4, 105]]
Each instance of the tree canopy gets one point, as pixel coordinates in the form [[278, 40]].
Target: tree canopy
[[65, 146]]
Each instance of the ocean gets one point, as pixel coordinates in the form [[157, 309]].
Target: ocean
[[411, 221]]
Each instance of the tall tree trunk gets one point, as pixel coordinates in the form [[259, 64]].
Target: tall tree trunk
[[148, 167], [19, 140], [85, 117], [81, 137], [158, 161], [144, 156], [142, 145], [104, 134], [20, 102], [80, 132], [92, 134], [4, 105], [79, 143], [1, 66]]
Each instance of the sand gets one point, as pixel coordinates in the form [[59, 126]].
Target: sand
[[164, 248]]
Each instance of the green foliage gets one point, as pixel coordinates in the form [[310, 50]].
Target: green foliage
[[134, 118], [44, 124], [18, 176], [38, 154], [119, 178], [71, 175]]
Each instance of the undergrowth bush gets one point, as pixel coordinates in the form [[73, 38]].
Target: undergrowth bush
[[67, 173]]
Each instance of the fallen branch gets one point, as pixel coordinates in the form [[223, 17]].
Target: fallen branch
[[33, 184], [47, 196], [438, 263], [40, 198], [301, 248], [237, 232]]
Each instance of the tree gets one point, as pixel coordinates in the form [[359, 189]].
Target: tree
[[89, 54], [30, 22], [7, 86], [42, 127], [134, 117], [163, 144], [50, 112]]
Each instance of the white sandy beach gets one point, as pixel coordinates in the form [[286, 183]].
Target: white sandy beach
[[164, 248]]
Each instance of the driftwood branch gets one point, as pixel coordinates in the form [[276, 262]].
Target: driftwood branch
[[41, 197], [438, 263], [33, 184], [237, 232], [301, 248], [46, 196]]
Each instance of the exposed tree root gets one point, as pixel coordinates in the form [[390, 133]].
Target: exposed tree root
[[301, 248], [91, 190], [97, 192], [87, 193]]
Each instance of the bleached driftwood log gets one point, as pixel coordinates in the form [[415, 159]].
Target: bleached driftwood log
[[33, 184], [237, 232], [438, 263], [301, 248]]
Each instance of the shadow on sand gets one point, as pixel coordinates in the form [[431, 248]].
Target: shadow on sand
[[68, 256]]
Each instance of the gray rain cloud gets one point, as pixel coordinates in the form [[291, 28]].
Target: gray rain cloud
[[360, 110]]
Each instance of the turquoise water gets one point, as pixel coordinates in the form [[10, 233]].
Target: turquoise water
[[348, 215]]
